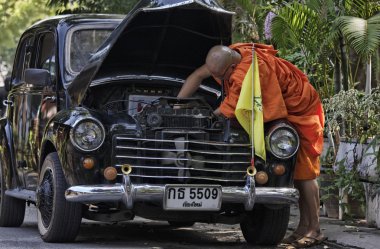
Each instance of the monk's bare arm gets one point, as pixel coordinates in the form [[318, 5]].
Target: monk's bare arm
[[193, 81], [217, 112]]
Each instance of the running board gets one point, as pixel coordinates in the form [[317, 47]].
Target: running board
[[24, 194]]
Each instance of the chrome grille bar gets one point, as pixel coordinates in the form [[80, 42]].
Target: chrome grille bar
[[212, 143], [209, 152], [217, 179], [182, 159], [184, 168]]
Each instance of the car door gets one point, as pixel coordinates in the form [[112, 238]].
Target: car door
[[17, 108], [41, 101]]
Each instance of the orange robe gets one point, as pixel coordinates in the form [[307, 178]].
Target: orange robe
[[286, 93]]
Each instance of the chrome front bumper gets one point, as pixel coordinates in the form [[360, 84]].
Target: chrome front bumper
[[129, 193]]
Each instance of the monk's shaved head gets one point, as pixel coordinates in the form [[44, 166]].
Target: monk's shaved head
[[219, 58]]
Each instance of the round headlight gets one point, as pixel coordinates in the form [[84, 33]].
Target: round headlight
[[283, 142], [87, 134]]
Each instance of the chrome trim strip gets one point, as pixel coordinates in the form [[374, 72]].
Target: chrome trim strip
[[208, 152], [188, 177], [183, 141], [178, 168], [213, 8], [181, 159]]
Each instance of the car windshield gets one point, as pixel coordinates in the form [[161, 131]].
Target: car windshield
[[81, 45]]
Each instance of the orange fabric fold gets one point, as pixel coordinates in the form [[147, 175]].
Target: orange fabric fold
[[286, 93]]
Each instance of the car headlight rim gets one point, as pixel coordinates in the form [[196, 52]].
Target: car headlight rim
[[75, 127], [281, 128]]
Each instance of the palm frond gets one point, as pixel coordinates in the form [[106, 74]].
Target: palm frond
[[282, 34], [296, 23], [331, 37], [325, 8], [362, 35], [361, 8]]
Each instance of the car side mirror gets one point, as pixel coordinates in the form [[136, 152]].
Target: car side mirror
[[7, 84], [37, 77]]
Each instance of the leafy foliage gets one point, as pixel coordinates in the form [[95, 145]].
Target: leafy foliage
[[92, 6], [302, 29], [249, 23], [297, 24], [348, 179], [314, 28], [363, 35], [353, 114], [360, 8], [15, 17]]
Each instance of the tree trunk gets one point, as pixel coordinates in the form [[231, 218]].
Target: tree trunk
[[337, 76], [368, 77], [377, 68], [343, 56]]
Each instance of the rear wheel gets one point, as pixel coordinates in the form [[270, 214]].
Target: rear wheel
[[58, 220], [12, 210], [265, 226]]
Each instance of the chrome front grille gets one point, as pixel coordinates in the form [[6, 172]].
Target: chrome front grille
[[182, 157]]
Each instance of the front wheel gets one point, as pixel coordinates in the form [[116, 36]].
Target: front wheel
[[58, 220], [265, 226]]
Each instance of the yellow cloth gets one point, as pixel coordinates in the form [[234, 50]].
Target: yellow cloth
[[245, 105]]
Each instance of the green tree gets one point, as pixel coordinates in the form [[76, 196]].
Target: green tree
[[249, 22], [363, 35], [296, 33], [315, 26], [92, 6], [15, 17], [300, 28]]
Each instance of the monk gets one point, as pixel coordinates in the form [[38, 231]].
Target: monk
[[286, 93]]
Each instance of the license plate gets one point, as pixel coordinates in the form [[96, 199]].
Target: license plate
[[192, 197]]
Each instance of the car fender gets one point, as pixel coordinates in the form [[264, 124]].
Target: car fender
[[57, 129], [56, 138], [9, 169]]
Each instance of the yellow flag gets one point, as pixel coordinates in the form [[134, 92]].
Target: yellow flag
[[245, 105]]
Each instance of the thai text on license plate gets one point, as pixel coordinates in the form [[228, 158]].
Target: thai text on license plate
[[192, 197]]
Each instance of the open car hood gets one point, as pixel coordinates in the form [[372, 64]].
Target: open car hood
[[158, 38]]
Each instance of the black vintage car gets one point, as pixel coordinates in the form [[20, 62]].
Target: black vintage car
[[93, 128]]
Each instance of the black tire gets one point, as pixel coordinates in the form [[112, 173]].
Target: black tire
[[12, 210], [265, 226], [181, 223], [58, 220]]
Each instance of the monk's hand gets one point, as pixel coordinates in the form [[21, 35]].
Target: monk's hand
[[177, 106], [217, 112]]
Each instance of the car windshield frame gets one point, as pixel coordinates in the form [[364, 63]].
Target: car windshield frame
[[71, 73]]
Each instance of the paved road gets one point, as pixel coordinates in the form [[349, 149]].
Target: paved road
[[137, 235]]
